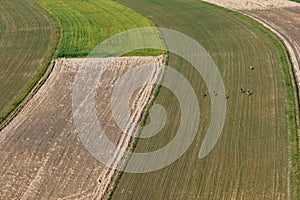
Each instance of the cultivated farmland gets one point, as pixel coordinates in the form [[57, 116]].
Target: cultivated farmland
[[25, 38], [41, 154], [250, 161], [43, 158], [84, 24], [286, 21]]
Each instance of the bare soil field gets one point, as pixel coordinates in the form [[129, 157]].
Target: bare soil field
[[253, 4], [41, 154]]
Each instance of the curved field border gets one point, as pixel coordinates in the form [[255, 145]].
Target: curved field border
[[293, 136], [28, 87], [223, 174], [31, 165], [44, 121]]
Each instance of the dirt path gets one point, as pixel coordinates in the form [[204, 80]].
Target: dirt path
[[285, 23], [282, 17], [253, 4], [41, 155]]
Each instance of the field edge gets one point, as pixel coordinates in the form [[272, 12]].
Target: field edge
[[39, 78], [291, 105], [291, 112], [144, 119]]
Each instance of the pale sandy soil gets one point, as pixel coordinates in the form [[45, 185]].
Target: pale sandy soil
[[253, 4], [41, 154]]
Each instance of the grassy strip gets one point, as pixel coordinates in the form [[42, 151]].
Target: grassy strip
[[7, 115], [291, 105], [85, 24], [286, 116], [103, 27], [65, 45], [291, 114], [136, 139]]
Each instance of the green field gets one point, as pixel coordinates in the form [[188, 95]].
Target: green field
[[85, 24], [25, 51], [29, 37], [250, 160]]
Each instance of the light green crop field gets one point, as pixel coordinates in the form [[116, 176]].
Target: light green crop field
[[85, 24], [250, 160], [29, 38], [25, 51]]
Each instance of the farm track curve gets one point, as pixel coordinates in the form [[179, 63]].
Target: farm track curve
[[285, 23], [250, 159], [282, 18], [253, 150]]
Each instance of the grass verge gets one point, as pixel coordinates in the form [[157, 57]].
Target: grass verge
[[85, 24], [10, 111], [291, 105], [254, 139]]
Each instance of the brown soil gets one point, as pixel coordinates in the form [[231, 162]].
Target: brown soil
[[285, 23], [253, 4], [41, 154]]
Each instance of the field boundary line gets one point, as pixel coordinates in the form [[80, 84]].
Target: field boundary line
[[289, 47], [39, 78], [289, 115], [294, 74]]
